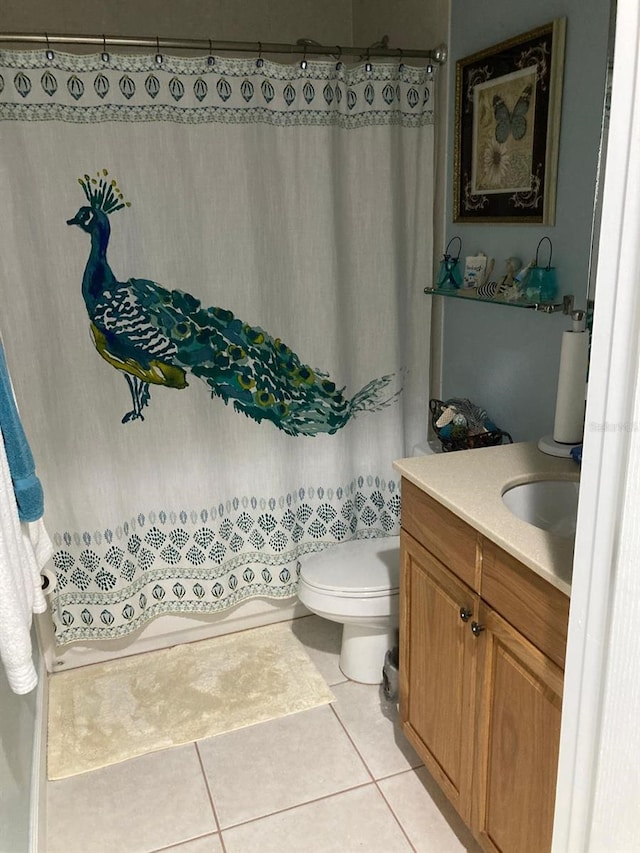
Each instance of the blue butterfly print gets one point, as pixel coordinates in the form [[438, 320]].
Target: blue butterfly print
[[511, 122]]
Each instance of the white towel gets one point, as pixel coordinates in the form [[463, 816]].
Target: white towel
[[24, 549]]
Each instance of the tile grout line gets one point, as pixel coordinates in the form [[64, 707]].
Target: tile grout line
[[387, 775], [179, 844], [350, 739], [210, 795], [375, 781], [395, 816], [295, 806]]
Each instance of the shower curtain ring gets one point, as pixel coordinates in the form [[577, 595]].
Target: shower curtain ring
[[259, 60], [159, 56], [339, 62], [303, 63], [104, 56], [211, 60], [367, 65], [401, 63], [48, 52]]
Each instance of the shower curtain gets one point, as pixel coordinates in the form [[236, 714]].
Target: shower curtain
[[212, 306]]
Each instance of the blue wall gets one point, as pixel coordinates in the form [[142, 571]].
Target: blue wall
[[504, 358]]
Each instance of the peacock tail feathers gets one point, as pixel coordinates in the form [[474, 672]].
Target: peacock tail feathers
[[371, 398], [242, 364]]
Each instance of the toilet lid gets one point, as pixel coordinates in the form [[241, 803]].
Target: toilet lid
[[362, 565]]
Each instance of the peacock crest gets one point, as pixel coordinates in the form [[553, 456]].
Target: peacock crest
[[102, 193], [156, 336]]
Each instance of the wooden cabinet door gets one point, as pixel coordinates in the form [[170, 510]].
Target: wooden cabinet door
[[437, 669], [517, 740]]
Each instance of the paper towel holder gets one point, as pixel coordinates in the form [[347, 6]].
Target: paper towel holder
[[548, 444]]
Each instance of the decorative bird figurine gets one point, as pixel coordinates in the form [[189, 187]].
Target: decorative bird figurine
[[156, 336]]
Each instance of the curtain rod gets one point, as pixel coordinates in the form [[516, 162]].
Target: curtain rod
[[306, 46]]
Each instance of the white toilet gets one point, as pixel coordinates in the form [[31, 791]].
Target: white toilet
[[356, 583]]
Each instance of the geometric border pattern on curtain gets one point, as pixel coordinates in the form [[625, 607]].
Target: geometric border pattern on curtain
[[85, 89], [161, 562]]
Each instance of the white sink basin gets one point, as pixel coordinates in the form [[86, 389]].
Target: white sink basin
[[549, 504]]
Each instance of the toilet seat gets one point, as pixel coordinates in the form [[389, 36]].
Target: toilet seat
[[361, 568]]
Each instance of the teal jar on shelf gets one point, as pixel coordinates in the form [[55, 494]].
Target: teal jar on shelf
[[449, 275], [541, 283]]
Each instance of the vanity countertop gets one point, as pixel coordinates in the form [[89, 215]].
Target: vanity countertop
[[471, 482]]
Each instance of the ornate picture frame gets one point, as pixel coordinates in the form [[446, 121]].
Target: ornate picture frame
[[507, 129]]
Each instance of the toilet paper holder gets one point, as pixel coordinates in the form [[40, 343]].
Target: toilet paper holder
[[48, 581]]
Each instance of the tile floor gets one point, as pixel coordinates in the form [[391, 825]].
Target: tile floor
[[337, 778]]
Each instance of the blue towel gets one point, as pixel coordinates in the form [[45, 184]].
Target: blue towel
[[26, 486]]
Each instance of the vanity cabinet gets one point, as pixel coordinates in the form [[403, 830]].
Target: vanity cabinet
[[516, 741], [482, 643], [437, 670]]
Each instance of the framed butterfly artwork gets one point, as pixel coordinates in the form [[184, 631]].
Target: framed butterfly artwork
[[508, 104]]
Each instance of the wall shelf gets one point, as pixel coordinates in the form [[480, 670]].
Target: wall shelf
[[470, 295]]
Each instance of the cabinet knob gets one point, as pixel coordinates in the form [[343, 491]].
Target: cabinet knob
[[465, 614], [476, 629]]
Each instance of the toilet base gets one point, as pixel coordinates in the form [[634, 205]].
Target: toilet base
[[363, 652]]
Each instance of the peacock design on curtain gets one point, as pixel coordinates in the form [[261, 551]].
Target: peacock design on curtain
[[156, 336]]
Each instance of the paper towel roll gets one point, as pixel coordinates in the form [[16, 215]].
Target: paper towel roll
[[49, 581], [572, 377]]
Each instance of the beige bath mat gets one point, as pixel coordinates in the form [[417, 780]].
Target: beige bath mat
[[108, 712]]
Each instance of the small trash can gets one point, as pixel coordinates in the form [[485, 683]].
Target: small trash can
[[390, 674]]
